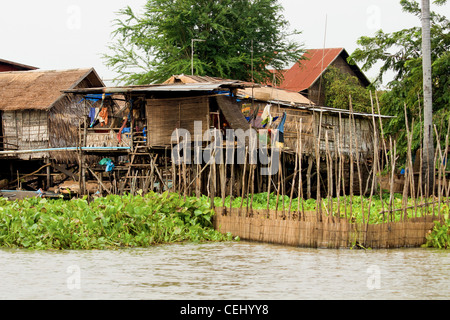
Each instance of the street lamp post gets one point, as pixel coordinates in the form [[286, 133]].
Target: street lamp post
[[192, 54]]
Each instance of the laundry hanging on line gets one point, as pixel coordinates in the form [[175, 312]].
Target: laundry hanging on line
[[281, 128], [266, 117], [103, 116]]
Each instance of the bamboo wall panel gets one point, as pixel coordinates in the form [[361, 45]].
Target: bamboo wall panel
[[24, 130], [336, 128], [107, 139], [308, 232], [164, 116]]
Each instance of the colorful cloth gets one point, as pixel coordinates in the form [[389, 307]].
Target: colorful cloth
[[103, 116]]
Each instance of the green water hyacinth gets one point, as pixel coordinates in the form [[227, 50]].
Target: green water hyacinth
[[109, 222], [439, 237]]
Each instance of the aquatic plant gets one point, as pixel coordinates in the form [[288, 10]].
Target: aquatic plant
[[439, 237], [107, 222]]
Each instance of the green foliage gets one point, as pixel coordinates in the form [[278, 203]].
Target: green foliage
[[439, 237], [401, 52], [153, 46], [340, 85], [110, 222]]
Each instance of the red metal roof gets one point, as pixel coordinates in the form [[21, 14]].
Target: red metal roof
[[304, 73], [6, 65]]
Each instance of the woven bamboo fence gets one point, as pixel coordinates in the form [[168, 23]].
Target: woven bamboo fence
[[264, 226]]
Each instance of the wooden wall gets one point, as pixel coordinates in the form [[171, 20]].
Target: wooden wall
[[27, 129], [332, 126], [166, 115], [316, 92]]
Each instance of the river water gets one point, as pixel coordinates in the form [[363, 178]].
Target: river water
[[230, 270]]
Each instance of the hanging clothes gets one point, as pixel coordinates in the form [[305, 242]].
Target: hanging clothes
[[92, 114], [283, 120], [281, 128], [119, 135], [109, 166], [103, 116], [108, 163], [266, 117]]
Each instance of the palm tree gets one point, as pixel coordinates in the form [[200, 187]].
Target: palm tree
[[428, 146]]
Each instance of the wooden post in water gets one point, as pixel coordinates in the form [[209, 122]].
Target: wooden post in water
[[232, 178], [358, 155], [342, 166], [243, 177], [317, 151], [278, 184], [393, 148], [293, 178], [300, 180], [351, 165]]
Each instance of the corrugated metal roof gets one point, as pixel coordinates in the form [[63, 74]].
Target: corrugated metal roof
[[274, 94], [304, 73], [186, 79], [203, 86], [173, 87]]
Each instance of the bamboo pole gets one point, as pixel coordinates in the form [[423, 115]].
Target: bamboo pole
[[253, 166], [409, 158], [278, 184], [243, 176], [232, 180], [375, 161], [351, 166], [214, 178], [440, 170], [293, 179], [358, 155], [284, 182], [327, 161], [308, 177], [446, 157], [184, 167], [337, 172], [420, 187], [378, 142], [269, 181], [300, 181], [342, 166], [174, 174], [391, 191], [317, 150]]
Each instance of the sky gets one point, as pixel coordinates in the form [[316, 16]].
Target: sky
[[68, 34]]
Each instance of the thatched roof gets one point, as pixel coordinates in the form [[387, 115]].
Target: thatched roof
[[40, 89]]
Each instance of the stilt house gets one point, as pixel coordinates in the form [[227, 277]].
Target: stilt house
[[36, 115]]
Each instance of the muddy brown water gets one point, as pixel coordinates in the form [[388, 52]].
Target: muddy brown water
[[230, 270]]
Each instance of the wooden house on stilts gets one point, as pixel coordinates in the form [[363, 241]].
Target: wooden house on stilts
[[39, 123], [153, 117], [325, 139], [149, 117]]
